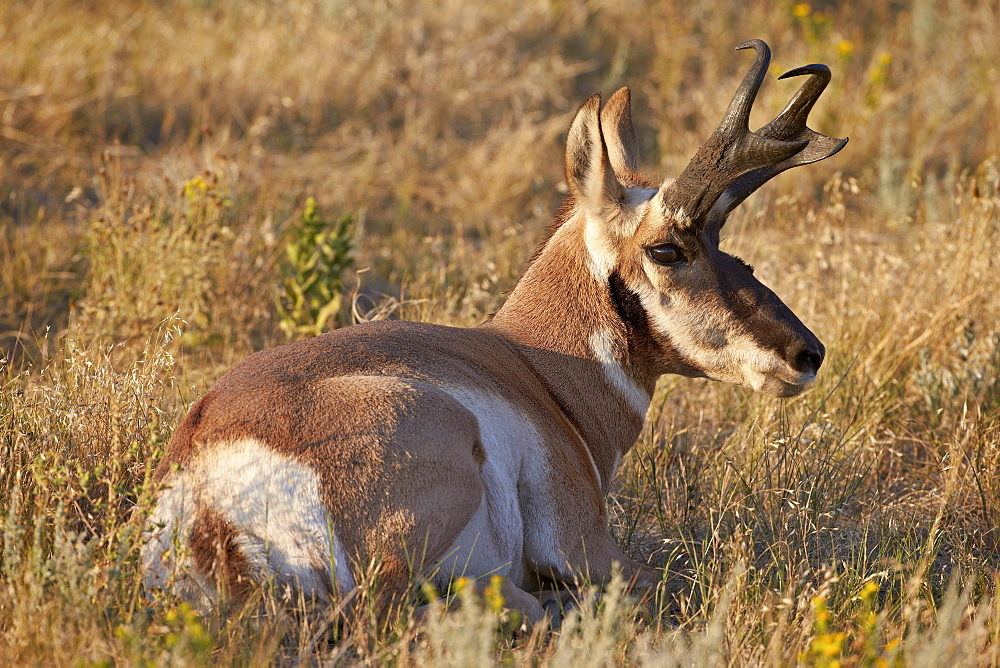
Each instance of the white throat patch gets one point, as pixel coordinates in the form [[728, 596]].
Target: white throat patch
[[602, 345]]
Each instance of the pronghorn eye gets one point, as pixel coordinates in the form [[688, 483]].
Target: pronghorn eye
[[665, 254]]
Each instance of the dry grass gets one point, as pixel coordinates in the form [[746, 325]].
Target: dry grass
[[154, 158]]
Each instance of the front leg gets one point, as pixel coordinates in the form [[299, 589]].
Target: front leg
[[595, 562], [593, 559]]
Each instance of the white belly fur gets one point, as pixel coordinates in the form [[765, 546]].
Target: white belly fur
[[512, 525]]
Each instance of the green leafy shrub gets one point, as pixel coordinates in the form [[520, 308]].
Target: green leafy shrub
[[316, 258]]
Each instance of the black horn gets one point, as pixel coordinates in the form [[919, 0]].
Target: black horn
[[734, 161], [789, 125]]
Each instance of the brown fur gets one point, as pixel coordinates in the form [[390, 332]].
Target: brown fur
[[279, 404], [215, 553]]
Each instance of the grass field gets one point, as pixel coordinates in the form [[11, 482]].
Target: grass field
[[156, 160]]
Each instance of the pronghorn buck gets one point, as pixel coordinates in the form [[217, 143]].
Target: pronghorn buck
[[434, 451]]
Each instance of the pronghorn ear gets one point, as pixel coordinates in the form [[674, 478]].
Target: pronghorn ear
[[589, 175], [619, 135]]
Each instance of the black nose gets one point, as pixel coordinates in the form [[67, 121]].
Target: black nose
[[809, 359]]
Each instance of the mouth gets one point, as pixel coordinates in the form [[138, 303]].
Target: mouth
[[789, 390], [777, 387], [781, 382]]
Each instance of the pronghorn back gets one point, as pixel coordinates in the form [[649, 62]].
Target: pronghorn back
[[415, 450]]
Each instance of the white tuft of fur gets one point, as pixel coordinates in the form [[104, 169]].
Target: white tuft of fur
[[514, 521], [678, 215], [273, 500], [601, 254], [637, 196], [603, 347]]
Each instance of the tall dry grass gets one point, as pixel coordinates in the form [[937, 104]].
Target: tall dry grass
[[154, 159]]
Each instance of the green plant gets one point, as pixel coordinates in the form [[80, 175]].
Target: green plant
[[317, 256]]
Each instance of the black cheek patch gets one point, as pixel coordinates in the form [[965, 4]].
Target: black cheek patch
[[628, 305], [644, 342]]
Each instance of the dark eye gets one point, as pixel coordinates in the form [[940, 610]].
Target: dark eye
[[665, 254]]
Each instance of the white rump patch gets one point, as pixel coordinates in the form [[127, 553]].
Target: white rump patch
[[602, 344], [274, 503], [165, 553]]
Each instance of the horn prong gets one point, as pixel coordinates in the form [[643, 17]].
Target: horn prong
[[789, 125], [736, 161], [738, 114], [816, 68]]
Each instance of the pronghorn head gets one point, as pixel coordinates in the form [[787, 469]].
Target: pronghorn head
[[702, 310]]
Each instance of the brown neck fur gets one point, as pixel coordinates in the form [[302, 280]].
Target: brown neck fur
[[550, 316]]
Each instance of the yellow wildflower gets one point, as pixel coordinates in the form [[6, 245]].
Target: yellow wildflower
[[828, 644], [493, 594]]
